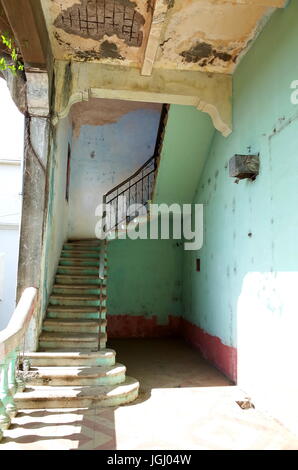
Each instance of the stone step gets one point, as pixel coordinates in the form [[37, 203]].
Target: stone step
[[105, 357], [81, 247], [67, 341], [78, 262], [73, 325], [78, 278], [80, 375], [77, 300], [84, 289], [80, 254], [72, 349], [80, 313], [40, 397], [78, 270]]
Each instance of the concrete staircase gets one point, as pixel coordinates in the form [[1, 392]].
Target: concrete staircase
[[73, 368]]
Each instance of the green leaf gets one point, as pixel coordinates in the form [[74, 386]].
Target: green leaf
[[14, 55]]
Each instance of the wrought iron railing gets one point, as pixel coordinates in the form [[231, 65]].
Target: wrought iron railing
[[136, 190]]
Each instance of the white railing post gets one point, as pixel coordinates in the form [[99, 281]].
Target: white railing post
[[4, 417], [5, 393], [12, 382]]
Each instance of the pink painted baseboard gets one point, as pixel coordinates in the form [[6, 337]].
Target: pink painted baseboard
[[139, 326], [211, 347]]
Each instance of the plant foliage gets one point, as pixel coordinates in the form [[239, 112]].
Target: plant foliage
[[14, 65]]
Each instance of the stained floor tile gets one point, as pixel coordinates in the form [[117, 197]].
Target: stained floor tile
[[184, 403]]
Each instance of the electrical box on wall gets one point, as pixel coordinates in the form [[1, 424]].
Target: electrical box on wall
[[244, 166]]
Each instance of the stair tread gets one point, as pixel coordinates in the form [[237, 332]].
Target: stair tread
[[77, 270], [75, 308], [86, 241], [75, 296], [72, 355], [93, 252], [76, 391], [78, 371], [69, 258], [67, 349], [95, 268], [68, 336], [70, 321], [77, 286], [83, 245], [79, 276]]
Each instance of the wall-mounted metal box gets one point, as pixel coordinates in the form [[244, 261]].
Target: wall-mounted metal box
[[244, 166]]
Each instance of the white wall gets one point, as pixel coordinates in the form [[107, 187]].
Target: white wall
[[11, 126], [9, 245], [10, 191], [11, 155]]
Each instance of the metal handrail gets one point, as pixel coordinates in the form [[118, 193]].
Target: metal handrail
[[132, 176], [135, 182], [132, 189], [149, 178]]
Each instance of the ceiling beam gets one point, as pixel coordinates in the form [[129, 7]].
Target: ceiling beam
[[154, 36], [210, 93]]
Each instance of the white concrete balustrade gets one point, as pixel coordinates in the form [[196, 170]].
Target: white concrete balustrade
[[10, 344]]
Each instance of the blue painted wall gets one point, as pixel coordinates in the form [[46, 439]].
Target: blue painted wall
[[103, 156]]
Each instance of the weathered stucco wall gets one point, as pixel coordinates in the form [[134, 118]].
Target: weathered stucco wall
[[245, 295], [145, 293], [57, 207], [104, 155]]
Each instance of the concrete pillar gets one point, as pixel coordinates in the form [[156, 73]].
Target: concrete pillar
[[36, 147]]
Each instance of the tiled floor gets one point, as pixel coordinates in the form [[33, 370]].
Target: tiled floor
[[184, 403]]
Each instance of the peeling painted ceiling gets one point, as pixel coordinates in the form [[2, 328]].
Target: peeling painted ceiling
[[99, 112], [198, 35]]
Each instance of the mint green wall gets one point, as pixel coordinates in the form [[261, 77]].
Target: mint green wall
[[187, 138], [57, 209], [145, 278], [246, 292]]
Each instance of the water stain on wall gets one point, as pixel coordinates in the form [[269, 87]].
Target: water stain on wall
[[205, 54], [109, 50]]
